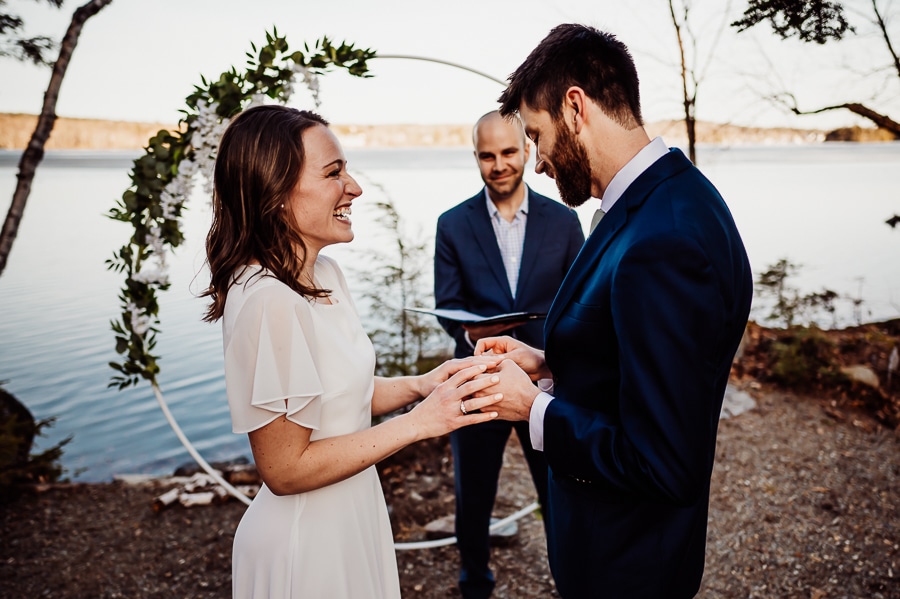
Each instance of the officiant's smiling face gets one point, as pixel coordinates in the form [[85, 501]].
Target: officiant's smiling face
[[321, 200], [501, 152]]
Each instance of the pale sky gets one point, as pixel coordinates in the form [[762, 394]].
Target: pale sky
[[137, 60]]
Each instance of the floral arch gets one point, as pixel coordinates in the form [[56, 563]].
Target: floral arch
[[162, 178]]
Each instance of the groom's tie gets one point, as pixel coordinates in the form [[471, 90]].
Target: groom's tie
[[596, 219]]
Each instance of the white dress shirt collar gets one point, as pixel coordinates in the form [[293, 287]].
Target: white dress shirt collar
[[492, 208], [649, 154]]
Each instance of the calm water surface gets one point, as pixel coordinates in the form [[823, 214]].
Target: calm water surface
[[823, 207]]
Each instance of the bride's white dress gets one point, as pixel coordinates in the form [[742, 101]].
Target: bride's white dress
[[310, 361]]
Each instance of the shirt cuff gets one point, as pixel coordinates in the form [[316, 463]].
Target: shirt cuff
[[536, 419], [545, 385]]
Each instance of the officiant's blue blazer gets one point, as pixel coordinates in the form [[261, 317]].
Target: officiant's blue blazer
[[640, 341], [469, 272]]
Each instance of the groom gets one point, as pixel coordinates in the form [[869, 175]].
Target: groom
[[640, 337]]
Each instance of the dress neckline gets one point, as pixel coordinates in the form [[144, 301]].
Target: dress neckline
[[315, 301]]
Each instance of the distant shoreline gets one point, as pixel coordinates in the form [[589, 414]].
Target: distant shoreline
[[97, 134]]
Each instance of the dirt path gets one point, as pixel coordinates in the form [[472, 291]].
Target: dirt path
[[806, 503]]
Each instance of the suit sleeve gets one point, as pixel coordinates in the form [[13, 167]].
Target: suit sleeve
[[448, 291], [653, 440]]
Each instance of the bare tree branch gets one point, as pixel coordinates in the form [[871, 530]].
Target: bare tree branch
[[34, 153], [882, 27], [881, 120], [809, 18]]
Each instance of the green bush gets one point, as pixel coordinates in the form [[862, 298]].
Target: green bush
[[18, 465], [804, 358]]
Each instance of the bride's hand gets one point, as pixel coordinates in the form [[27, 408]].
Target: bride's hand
[[430, 380], [444, 411]]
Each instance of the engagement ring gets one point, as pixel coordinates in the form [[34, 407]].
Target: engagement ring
[[462, 407]]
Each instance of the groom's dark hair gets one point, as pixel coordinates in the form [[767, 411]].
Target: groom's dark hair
[[577, 55]]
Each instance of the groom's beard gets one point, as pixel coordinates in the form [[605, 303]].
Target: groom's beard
[[571, 168]]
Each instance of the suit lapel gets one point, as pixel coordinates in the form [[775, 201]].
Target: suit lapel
[[589, 256], [483, 231], [585, 261], [535, 229]]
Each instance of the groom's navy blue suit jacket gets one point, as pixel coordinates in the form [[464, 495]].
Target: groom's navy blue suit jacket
[[640, 341]]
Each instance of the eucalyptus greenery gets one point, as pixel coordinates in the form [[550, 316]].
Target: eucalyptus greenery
[[161, 181]]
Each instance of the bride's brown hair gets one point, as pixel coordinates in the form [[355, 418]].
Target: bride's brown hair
[[258, 164]]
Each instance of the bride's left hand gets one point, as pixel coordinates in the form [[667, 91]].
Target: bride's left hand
[[430, 380]]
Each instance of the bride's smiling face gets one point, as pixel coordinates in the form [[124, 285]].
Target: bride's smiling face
[[321, 200]]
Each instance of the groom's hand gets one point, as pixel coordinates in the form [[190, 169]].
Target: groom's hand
[[517, 390], [529, 359]]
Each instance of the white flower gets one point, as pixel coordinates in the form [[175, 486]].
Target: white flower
[[140, 321], [186, 169], [155, 241], [311, 80], [205, 133], [169, 200], [156, 276], [287, 89], [256, 100]]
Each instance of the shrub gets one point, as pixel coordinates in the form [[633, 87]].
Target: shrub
[[804, 359], [17, 465], [788, 306]]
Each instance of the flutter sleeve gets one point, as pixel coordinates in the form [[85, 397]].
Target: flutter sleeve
[[270, 368]]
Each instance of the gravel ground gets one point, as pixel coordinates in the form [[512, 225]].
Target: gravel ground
[[805, 503]]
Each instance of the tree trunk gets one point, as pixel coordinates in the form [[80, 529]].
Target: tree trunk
[[34, 153], [691, 123], [689, 101]]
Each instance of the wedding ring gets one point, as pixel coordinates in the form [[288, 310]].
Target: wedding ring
[[462, 408]]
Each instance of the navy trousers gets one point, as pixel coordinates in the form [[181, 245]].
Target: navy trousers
[[477, 459]]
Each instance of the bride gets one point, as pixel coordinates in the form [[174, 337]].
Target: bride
[[299, 369]]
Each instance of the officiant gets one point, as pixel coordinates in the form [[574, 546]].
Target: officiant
[[506, 249]]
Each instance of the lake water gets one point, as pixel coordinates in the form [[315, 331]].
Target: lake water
[[822, 207]]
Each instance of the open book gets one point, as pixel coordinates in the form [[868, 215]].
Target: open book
[[470, 318]]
